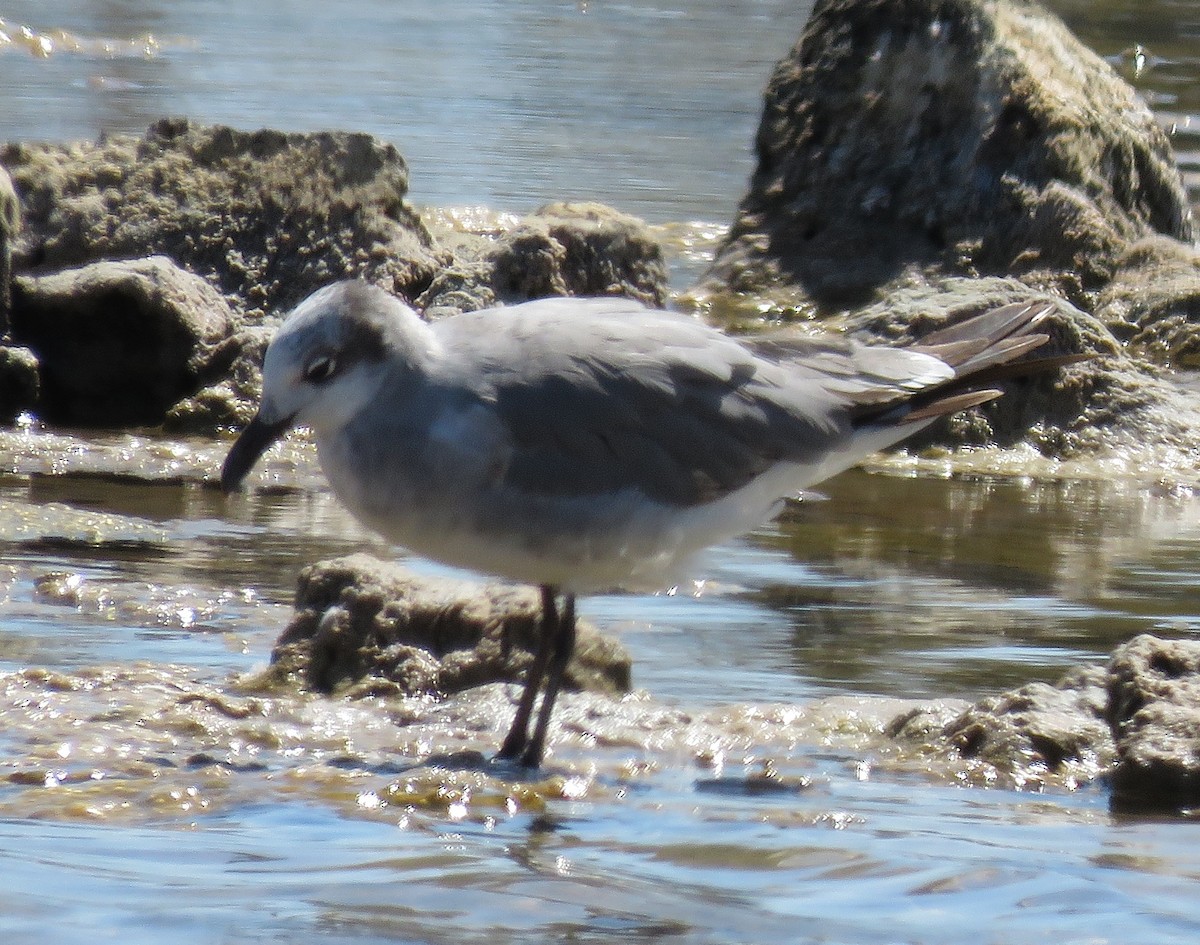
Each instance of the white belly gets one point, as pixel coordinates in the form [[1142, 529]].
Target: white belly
[[579, 544]]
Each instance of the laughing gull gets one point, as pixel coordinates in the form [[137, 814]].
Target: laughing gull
[[582, 444]]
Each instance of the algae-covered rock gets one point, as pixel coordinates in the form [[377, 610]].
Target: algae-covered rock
[[267, 216], [974, 136], [367, 626], [561, 249], [119, 342], [923, 160], [1154, 710]]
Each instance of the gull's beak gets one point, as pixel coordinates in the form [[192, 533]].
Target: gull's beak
[[255, 440]]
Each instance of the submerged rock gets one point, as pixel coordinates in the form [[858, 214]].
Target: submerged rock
[[366, 626], [1154, 710], [119, 342], [1035, 736], [266, 216]]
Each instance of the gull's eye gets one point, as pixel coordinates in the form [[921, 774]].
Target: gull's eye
[[320, 369]]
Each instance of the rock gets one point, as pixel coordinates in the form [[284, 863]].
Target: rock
[[20, 383], [960, 136], [561, 249], [119, 342], [1040, 725], [266, 216], [1153, 301], [232, 400], [1036, 407], [925, 723], [365, 626], [1136, 720], [920, 161], [580, 249], [1154, 710], [10, 222]]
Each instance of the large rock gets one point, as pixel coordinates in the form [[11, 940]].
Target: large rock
[[364, 626], [1154, 710], [120, 342], [561, 249], [266, 216], [971, 136], [921, 160]]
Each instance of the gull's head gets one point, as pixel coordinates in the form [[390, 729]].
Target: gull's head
[[326, 362]]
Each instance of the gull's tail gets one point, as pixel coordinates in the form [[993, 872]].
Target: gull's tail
[[980, 352], [894, 392]]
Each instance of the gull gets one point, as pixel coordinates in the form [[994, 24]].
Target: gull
[[587, 444]]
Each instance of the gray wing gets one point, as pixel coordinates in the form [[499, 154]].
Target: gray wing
[[863, 374], [600, 395]]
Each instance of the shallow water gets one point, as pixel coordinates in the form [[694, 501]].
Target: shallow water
[[150, 791]]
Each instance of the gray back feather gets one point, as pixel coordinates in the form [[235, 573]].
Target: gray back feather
[[603, 395]]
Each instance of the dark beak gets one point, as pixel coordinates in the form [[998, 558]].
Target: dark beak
[[255, 440]]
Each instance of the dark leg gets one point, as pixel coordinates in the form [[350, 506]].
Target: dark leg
[[518, 734], [564, 646]]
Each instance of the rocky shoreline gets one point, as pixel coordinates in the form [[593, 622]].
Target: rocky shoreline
[[918, 162]]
